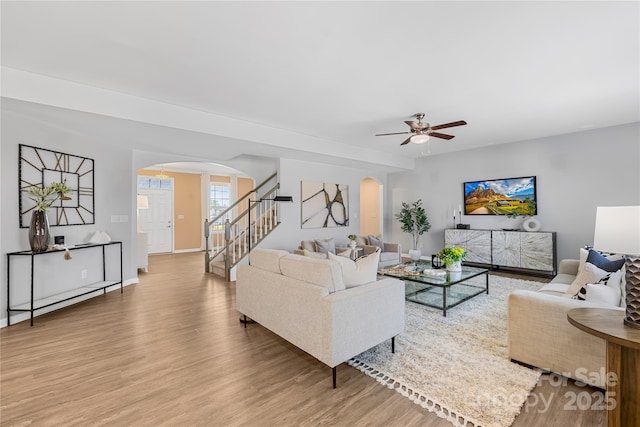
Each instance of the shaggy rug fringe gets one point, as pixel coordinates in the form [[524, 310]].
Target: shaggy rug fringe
[[458, 366], [417, 397]]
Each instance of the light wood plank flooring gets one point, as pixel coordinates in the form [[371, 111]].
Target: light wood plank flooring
[[170, 351]]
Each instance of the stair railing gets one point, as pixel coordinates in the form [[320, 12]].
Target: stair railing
[[217, 232]]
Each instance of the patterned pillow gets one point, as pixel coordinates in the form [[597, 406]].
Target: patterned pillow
[[612, 280], [589, 274]]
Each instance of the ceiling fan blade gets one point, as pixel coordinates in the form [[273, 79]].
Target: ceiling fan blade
[[395, 133], [406, 141], [449, 125], [413, 125], [441, 135]]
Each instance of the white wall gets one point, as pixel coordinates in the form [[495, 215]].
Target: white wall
[[575, 174], [289, 234], [112, 190]]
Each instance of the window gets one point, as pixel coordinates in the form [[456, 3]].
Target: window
[[218, 202], [153, 182]]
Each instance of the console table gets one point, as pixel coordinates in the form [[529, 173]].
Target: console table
[[623, 360], [531, 251], [44, 301]]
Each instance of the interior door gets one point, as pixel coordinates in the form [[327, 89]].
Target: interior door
[[157, 220]]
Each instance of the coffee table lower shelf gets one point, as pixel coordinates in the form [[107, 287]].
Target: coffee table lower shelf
[[441, 292], [442, 298]]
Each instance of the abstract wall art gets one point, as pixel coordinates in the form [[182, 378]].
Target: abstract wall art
[[324, 205]]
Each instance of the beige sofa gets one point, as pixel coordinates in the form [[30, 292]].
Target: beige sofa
[[540, 334], [305, 301]]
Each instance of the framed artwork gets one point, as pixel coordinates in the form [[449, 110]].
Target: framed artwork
[[324, 205], [39, 167]]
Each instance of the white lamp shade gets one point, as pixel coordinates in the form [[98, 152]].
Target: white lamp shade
[[419, 139], [618, 229], [143, 202]]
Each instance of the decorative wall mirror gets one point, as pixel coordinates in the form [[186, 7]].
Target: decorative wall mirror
[[39, 167]]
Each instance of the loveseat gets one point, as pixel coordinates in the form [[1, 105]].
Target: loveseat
[[541, 336], [305, 301]]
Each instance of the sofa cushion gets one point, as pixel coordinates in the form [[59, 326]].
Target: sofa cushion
[[604, 263], [565, 279], [389, 256], [318, 255], [589, 274], [321, 272], [363, 270], [267, 259], [327, 245], [613, 280], [554, 288]]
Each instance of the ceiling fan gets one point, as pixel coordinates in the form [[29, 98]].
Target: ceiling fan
[[422, 131]]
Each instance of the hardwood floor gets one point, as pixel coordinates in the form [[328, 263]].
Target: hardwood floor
[[170, 351]]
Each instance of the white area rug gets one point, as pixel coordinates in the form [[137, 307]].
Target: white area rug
[[457, 366]]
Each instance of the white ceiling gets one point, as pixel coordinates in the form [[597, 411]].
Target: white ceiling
[[314, 76]]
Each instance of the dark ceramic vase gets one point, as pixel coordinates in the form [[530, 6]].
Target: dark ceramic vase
[[39, 231]]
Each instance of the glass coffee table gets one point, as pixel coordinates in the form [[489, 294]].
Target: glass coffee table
[[438, 291]]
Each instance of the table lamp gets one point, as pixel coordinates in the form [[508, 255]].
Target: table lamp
[[618, 231]]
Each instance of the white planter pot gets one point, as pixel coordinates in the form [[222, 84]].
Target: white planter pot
[[456, 266], [415, 254], [352, 244]]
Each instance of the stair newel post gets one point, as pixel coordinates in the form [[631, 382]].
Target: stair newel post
[[227, 239], [206, 246]]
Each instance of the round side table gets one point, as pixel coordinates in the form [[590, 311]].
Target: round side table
[[623, 359]]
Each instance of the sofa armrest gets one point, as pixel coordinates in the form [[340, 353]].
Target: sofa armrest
[[569, 266], [363, 317], [392, 247], [540, 335], [369, 249]]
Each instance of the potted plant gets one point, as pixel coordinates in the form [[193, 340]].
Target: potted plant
[[39, 226], [352, 240], [452, 257], [413, 219]]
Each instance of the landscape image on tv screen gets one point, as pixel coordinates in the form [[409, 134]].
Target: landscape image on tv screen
[[501, 196]]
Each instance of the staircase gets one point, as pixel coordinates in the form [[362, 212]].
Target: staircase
[[228, 240]]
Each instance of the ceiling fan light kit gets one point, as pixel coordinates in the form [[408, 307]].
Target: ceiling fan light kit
[[422, 131], [419, 138]]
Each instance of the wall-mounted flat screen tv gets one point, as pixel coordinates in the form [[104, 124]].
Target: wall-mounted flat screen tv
[[501, 196]]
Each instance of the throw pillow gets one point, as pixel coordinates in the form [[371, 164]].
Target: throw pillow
[[376, 241], [603, 294], [613, 280], [355, 273], [309, 245], [604, 263], [589, 274], [361, 241], [328, 245], [584, 253], [318, 255], [346, 252]]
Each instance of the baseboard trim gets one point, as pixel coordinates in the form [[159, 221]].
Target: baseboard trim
[[20, 317]]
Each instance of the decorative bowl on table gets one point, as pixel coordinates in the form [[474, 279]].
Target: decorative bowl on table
[[435, 272]]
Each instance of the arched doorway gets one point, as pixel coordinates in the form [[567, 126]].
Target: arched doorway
[[370, 207]]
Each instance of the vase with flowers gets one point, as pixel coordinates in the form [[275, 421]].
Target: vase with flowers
[[452, 257], [352, 240], [39, 227]]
